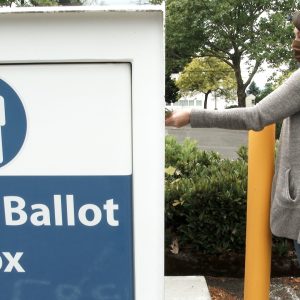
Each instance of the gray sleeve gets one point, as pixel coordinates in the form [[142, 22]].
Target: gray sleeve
[[280, 104]]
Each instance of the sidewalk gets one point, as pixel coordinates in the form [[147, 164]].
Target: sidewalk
[[284, 288], [224, 288], [186, 288]]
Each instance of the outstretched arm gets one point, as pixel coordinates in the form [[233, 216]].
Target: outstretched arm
[[280, 104]]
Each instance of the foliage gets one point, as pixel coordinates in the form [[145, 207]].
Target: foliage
[[253, 89], [171, 93], [278, 130], [231, 30], [279, 78], [205, 200], [231, 106], [275, 81], [243, 153], [156, 1], [268, 88], [207, 75], [281, 246]]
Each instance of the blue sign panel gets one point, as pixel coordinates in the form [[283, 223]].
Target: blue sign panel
[[66, 238]]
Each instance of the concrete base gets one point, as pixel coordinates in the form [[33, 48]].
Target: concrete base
[[186, 287]]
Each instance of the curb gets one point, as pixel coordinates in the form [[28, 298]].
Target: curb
[[186, 287]]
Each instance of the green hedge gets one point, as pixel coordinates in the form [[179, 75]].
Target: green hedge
[[205, 199]]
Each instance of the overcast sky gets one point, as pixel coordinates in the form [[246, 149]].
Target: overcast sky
[[260, 78]]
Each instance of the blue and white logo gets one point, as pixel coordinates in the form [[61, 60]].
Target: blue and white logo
[[62, 236], [13, 123]]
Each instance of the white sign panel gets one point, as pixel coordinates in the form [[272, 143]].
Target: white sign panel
[[70, 107]]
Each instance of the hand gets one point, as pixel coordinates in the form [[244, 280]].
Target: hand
[[178, 118], [297, 34]]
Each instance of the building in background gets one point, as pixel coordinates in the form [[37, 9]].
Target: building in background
[[197, 101]]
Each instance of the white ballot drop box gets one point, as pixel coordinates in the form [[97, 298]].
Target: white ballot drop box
[[82, 153]]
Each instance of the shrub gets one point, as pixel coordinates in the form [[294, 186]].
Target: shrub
[[205, 199], [278, 130]]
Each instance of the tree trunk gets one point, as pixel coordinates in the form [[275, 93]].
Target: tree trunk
[[241, 94], [205, 99], [241, 88]]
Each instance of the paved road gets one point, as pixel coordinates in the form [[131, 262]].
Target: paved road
[[224, 141]]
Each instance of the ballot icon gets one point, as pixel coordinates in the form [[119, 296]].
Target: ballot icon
[[13, 123], [2, 123]]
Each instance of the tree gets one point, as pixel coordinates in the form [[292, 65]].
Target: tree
[[234, 31], [268, 88], [207, 75], [171, 92], [274, 82], [253, 89]]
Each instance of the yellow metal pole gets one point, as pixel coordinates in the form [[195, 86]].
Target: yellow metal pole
[[258, 236]]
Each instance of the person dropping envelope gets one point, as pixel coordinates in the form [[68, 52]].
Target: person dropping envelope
[[2, 123]]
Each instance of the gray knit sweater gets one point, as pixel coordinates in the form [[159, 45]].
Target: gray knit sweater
[[282, 104]]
